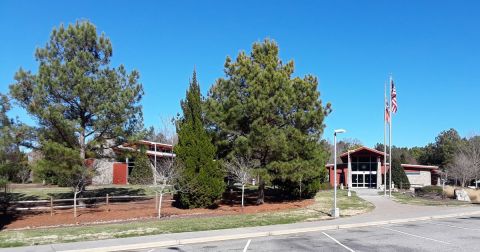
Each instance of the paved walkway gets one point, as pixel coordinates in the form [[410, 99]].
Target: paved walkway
[[385, 210]]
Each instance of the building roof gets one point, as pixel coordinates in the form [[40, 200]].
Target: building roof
[[425, 167], [150, 152], [363, 148], [154, 143]]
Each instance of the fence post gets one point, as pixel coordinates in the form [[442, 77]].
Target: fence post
[[156, 201], [51, 206], [107, 200]]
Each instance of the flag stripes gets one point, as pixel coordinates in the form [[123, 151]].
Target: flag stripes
[[387, 112], [394, 98]]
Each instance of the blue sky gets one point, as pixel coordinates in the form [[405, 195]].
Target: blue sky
[[432, 48]]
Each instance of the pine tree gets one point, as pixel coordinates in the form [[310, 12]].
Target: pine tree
[[79, 101], [201, 179], [262, 111]]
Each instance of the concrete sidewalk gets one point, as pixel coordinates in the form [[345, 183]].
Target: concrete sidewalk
[[386, 211]]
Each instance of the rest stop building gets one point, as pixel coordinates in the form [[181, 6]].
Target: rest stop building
[[367, 170]]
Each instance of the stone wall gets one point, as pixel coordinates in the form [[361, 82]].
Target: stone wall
[[103, 172]]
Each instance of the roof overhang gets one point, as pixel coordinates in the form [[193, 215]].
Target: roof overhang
[[363, 148], [423, 167]]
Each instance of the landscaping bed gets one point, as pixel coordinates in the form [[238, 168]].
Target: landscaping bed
[[225, 216], [428, 196], [138, 210]]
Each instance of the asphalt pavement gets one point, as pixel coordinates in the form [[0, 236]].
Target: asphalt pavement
[[389, 227], [453, 234]]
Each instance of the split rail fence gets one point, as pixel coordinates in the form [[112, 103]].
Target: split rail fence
[[86, 202]]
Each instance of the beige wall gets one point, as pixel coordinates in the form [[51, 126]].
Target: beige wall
[[418, 180]]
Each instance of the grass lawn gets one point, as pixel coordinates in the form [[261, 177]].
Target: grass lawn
[[317, 211], [407, 199]]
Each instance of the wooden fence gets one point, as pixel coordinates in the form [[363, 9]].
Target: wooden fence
[[52, 204]]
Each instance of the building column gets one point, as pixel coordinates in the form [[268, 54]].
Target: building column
[[379, 172]]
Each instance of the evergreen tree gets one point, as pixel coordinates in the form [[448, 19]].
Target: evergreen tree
[[79, 101], [201, 179], [142, 170], [262, 111], [13, 162], [399, 178]]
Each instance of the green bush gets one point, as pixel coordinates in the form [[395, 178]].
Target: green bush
[[399, 177], [142, 171]]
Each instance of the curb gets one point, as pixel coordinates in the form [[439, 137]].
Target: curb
[[264, 234]]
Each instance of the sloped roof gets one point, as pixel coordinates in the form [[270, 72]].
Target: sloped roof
[[363, 148]]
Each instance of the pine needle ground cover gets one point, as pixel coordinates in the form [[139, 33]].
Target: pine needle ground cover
[[317, 211]]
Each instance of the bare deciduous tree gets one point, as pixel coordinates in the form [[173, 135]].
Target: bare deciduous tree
[[167, 169], [462, 168], [166, 174], [240, 169]]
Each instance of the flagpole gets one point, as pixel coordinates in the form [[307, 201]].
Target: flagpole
[[390, 140], [385, 141]]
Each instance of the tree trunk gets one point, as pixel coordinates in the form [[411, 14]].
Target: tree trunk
[[261, 192], [243, 193], [300, 187], [160, 205], [81, 143], [75, 203]]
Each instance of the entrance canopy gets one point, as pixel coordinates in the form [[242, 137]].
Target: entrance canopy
[[362, 152]]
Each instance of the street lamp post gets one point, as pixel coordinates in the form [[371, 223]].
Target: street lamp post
[[349, 194], [335, 210]]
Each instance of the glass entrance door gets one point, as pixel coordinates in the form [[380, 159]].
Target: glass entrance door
[[364, 179]]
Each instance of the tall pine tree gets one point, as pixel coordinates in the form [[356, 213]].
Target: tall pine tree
[[261, 110], [201, 178]]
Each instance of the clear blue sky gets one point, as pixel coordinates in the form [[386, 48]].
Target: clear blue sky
[[432, 48]]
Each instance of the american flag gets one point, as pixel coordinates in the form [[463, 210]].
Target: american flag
[[394, 99], [387, 112]]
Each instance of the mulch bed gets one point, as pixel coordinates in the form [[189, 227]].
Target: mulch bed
[[130, 211]]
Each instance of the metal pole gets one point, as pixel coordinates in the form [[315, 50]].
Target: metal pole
[[390, 141], [385, 142], [335, 175], [155, 166], [349, 175]]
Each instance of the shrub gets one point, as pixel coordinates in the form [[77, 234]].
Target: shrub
[[399, 177], [430, 190], [142, 171]]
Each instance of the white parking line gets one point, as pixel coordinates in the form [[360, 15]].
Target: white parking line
[[447, 225], [339, 243], [417, 236], [246, 246]]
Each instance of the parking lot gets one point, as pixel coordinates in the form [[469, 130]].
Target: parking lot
[[455, 234]]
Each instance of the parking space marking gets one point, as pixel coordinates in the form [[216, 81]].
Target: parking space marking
[[246, 246], [447, 225], [339, 243], [417, 236]]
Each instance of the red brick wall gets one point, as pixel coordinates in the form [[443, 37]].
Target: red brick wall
[[120, 172]]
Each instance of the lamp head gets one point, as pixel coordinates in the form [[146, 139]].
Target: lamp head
[[339, 131]]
